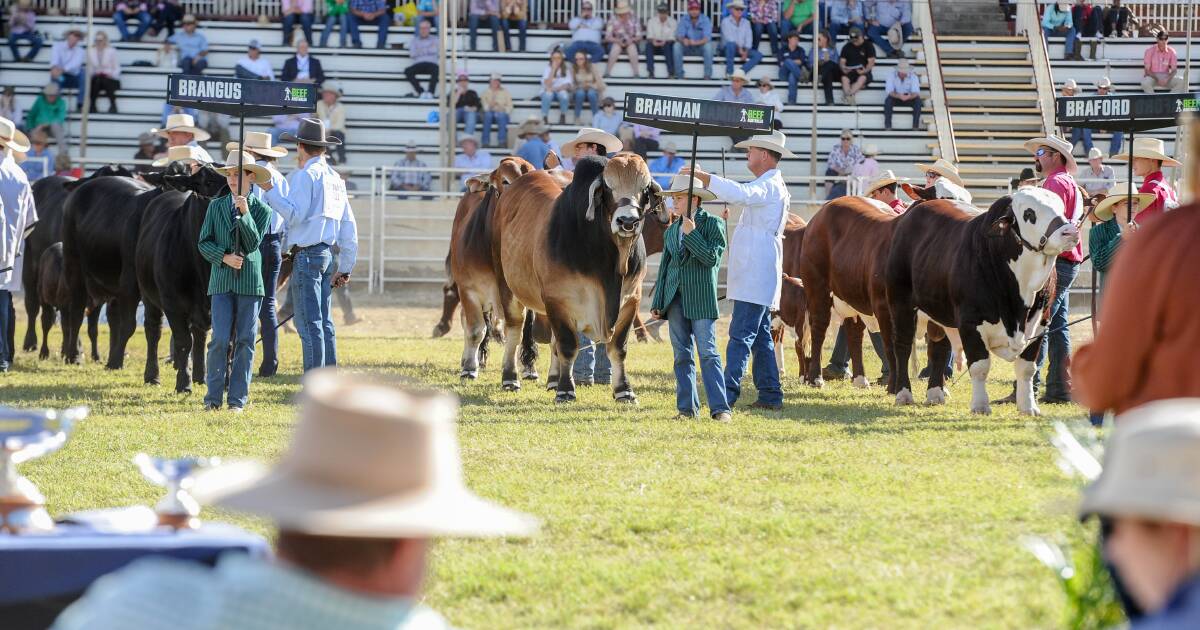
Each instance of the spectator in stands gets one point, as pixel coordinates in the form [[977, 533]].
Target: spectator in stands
[[660, 39], [64, 168], [49, 114], [1099, 177], [903, 88], [181, 130], [587, 30], [737, 39], [423, 48], [192, 45], [364, 12], [337, 13], [798, 16], [1104, 88], [641, 139], [844, 14], [842, 160], [794, 66], [1089, 24], [167, 56], [427, 11], [666, 165], [764, 17], [868, 169], [514, 14], [293, 10], [332, 112], [303, 67], [466, 104], [22, 26], [253, 65], [148, 149], [889, 16], [484, 10], [472, 158], [10, 108], [1077, 134], [736, 90], [1118, 21], [164, 13], [828, 65], [535, 146], [608, 119], [1149, 158], [39, 160], [587, 84], [131, 10], [767, 96], [1056, 22], [694, 37], [556, 86], [855, 65], [1161, 65], [106, 72], [284, 123], [623, 34], [66, 63], [418, 180], [497, 110]]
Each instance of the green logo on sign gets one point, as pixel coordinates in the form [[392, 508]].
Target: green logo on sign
[[756, 116], [1187, 105], [296, 94]]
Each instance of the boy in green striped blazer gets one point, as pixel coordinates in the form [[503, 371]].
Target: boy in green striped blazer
[[686, 296], [229, 239]]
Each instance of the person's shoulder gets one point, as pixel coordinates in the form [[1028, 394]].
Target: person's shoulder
[[152, 592]]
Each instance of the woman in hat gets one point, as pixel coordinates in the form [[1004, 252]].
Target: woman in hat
[[587, 83], [767, 96], [229, 240], [623, 34], [686, 296], [331, 111], [1149, 157], [497, 110]]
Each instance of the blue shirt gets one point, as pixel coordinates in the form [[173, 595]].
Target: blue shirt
[[535, 151], [1053, 18], [1181, 611], [280, 183], [661, 164], [35, 166], [189, 45], [307, 220], [841, 13], [689, 30]]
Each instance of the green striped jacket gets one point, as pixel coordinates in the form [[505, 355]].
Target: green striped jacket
[[1103, 241], [217, 239], [689, 268]]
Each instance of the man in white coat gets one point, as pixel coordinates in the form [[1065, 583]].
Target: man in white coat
[[17, 215], [755, 265]]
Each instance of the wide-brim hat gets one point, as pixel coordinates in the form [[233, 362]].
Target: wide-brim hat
[[1120, 193], [331, 86], [736, 4], [184, 123], [886, 178], [870, 150], [774, 141], [1055, 143], [368, 461], [465, 138], [611, 143], [1151, 148], [258, 143], [1095, 153], [533, 125], [1151, 471], [12, 137], [181, 153], [739, 75], [261, 174], [944, 168], [679, 186], [311, 131]]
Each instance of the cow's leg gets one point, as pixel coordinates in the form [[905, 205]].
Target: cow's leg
[[1025, 367], [153, 330], [449, 304], [47, 324], [618, 349], [518, 331], [199, 343], [854, 328], [904, 333], [72, 321], [474, 328], [883, 314], [978, 364], [93, 329], [639, 329], [181, 349], [820, 306], [939, 356], [122, 321], [32, 304], [529, 349], [566, 344]]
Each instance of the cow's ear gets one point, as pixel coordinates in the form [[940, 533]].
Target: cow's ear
[[1002, 225], [595, 196], [552, 161], [479, 183]]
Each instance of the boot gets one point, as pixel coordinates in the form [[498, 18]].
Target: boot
[[1078, 54], [1092, 50]]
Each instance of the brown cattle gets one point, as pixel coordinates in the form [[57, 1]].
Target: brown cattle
[[792, 304]]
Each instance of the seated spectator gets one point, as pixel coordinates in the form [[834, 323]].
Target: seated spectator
[[855, 64], [903, 88], [284, 123], [427, 11], [737, 39], [767, 96], [1076, 134], [842, 160], [131, 10], [10, 108], [167, 56], [794, 66], [1056, 22], [22, 27], [192, 45], [608, 119], [798, 16], [164, 15], [484, 11], [148, 149], [337, 13], [1118, 21], [587, 84], [660, 39], [64, 168], [514, 14], [423, 49], [302, 66], [736, 90], [535, 146], [883, 189], [331, 111], [418, 180], [39, 160], [844, 14], [889, 16], [641, 138], [472, 158], [623, 34], [1098, 177], [49, 114], [868, 169], [764, 17], [1104, 88], [1161, 65], [556, 86], [666, 165], [365, 12], [293, 10], [106, 72], [829, 70], [1089, 23], [66, 63], [253, 65], [497, 110], [466, 104], [587, 30], [693, 37]]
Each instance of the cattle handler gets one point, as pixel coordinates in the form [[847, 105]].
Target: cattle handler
[[181, 130], [19, 215], [1149, 157]]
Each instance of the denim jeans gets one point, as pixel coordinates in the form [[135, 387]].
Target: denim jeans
[[1058, 342], [839, 186], [839, 359], [234, 320], [35, 45], [493, 22], [750, 331], [74, 81], [382, 22], [791, 71], [500, 119], [193, 65], [267, 317], [890, 103], [591, 363], [1115, 144], [122, 22], [878, 34], [548, 98], [1068, 45], [312, 272], [705, 50], [593, 50], [342, 22], [700, 332], [6, 320], [306, 24], [521, 26], [667, 50], [1079, 134], [772, 30], [591, 95], [469, 119], [731, 51]]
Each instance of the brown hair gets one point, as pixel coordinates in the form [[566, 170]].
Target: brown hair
[[320, 554]]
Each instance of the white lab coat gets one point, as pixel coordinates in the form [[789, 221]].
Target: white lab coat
[[18, 215], [756, 250]]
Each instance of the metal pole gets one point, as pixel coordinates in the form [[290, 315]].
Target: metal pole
[[1191, 25], [87, 83], [816, 62], [1129, 171], [443, 110], [691, 176]]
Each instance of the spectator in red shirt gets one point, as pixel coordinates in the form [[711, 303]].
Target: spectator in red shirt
[[883, 189], [1148, 159], [1161, 65]]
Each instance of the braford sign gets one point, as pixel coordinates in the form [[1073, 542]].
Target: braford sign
[[240, 96], [685, 115], [1132, 112]]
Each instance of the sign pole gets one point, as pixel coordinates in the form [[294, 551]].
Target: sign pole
[[1129, 203], [692, 178], [86, 87]]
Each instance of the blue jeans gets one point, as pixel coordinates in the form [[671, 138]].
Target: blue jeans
[[234, 320], [469, 119], [267, 317], [1068, 45], [122, 22], [731, 51], [667, 50], [312, 293], [706, 51], [6, 320], [382, 22], [501, 121], [772, 30], [593, 50], [306, 24], [1079, 134], [493, 22], [193, 65], [1058, 342], [73, 81], [591, 96], [890, 103], [591, 363], [878, 34], [839, 359], [521, 26], [35, 45], [791, 71], [342, 22], [1114, 145], [750, 331], [548, 98], [684, 333]]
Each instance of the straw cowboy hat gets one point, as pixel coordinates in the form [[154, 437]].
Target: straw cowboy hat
[[870, 150], [182, 153], [1054, 143], [774, 141], [1095, 153], [886, 178], [679, 186], [610, 142], [736, 4], [944, 168], [532, 125], [184, 123], [1150, 466], [1151, 148], [258, 143], [331, 86], [261, 174], [468, 138], [366, 460], [1119, 194], [739, 75], [311, 131], [12, 137], [1104, 83]]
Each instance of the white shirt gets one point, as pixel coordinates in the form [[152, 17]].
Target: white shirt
[[770, 99], [316, 210], [260, 67], [280, 183], [18, 213], [756, 250], [301, 67]]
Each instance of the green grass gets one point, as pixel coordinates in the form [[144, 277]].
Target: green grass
[[841, 511]]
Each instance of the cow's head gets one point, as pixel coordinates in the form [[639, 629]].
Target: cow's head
[[108, 170], [941, 188], [509, 170], [623, 195], [1035, 217], [205, 182]]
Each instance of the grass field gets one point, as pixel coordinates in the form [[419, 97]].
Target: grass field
[[842, 511]]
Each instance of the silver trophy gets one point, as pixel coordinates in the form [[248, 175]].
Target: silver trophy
[[178, 509], [27, 434]]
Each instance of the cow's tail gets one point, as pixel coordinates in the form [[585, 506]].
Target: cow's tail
[[529, 349]]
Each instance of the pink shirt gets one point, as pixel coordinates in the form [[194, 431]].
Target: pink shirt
[[1164, 197], [898, 206], [1160, 61], [1062, 184]]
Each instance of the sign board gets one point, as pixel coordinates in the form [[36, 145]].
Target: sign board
[[1125, 112], [692, 115], [240, 97]]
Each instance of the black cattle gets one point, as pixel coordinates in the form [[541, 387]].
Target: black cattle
[[53, 298]]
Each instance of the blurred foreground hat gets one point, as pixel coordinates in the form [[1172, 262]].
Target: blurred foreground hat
[[258, 143], [12, 137]]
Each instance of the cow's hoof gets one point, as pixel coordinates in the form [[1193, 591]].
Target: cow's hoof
[[565, 397], [468, 375], [529, 375], [511, 386], [984, 409], [183, 390], [627, 397], [29, 347], [440, 330], [816, 383], [860, 382], [551, 386], [935, 396], [153, 380], [1033, 410], [905, 397], [43, 355], [95, 358]]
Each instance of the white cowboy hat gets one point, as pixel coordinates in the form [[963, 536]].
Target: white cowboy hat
[[1120, 194], [184, 123], [368, 461], [258, 143], [871, 150], [1104, 83], [261, 174], [885, 178], [774, 141], [1054, 143], [1070, 84], [1151, 148], [739, 75], [610, 142], [1095, 153], [181, 153], [736, 4], [944, 168], [622, 8], [679, 185], [12, 137]]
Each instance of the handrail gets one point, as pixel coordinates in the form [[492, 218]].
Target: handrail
[[1043, 74], [923, 15]]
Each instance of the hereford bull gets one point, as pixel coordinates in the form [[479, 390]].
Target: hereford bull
[[53, 298], [576, 256], [981, 277]]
